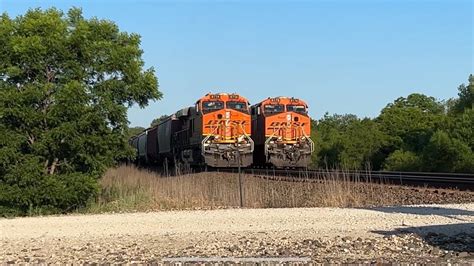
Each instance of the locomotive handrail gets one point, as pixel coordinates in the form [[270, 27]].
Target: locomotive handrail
[[309, 139], [311, 142], [252, 144], [203, 142], [268, 140]]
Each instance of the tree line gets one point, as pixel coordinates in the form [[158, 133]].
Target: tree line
[[413, 133]]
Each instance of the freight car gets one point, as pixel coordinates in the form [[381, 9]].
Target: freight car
[[214, 132], [281, 131]]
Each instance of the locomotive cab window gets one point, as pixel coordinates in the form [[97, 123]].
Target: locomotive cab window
[[239, 106], [210, 106], [301, 109], [273, 108]]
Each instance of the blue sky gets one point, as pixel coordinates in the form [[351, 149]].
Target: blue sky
[[339, 56]]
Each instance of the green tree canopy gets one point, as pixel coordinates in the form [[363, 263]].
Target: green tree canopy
[[401, 160], [461, 127], [466, 97], [446, 154], [349, 142], [413, 133], [65, 85], [134, 131], [411, 121], [156, 121], [422, 102]]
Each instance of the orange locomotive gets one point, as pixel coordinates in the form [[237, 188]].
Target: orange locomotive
[[226, 130], [281, 131], [214, 132]]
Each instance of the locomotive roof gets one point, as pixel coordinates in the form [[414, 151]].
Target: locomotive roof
[[282, 100], [223, 96]]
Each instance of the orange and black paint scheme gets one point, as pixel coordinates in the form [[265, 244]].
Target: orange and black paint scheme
[[281, 131], [214, 132], [226, 130]]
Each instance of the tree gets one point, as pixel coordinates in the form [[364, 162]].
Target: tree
[[156, 121], [401, 160], [466, 97], [461, 127], [346, 141], [364, 145], [65, 85], [327, 135], [446, 154], [411, 121], [134, 131]]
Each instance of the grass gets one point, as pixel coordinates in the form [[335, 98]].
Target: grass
[[127, 188]]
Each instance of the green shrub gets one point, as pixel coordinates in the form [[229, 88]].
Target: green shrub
[[446, 154], [401, 160]]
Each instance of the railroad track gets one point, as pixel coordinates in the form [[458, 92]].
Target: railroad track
[[436, 180]]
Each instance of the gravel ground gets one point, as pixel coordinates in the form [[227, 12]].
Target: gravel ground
[[424, 233]]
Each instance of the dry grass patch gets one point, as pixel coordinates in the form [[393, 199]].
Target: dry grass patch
[[127, 188]]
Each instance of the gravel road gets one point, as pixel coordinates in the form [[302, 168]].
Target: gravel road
[[429, 233]]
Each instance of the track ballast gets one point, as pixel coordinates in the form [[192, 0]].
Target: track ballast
[[436, 180]]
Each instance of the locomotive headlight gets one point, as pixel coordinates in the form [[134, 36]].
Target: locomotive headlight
[[280, 138]]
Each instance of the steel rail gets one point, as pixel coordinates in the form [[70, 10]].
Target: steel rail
[[436, 180]]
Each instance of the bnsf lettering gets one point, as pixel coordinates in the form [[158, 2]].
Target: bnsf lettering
[[215, 122], [212, 122], [278, 124]]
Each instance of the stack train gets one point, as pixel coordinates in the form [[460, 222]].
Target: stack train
[[223, 130]]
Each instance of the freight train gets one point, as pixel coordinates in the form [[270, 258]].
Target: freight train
[[281, 131], [222, 130], [214, 132]]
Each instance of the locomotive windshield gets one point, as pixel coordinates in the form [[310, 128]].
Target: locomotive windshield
[[273, 108], [301, 109], [210, 106], [239, 106]]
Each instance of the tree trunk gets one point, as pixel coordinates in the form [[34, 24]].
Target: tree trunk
[[53, 166]]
